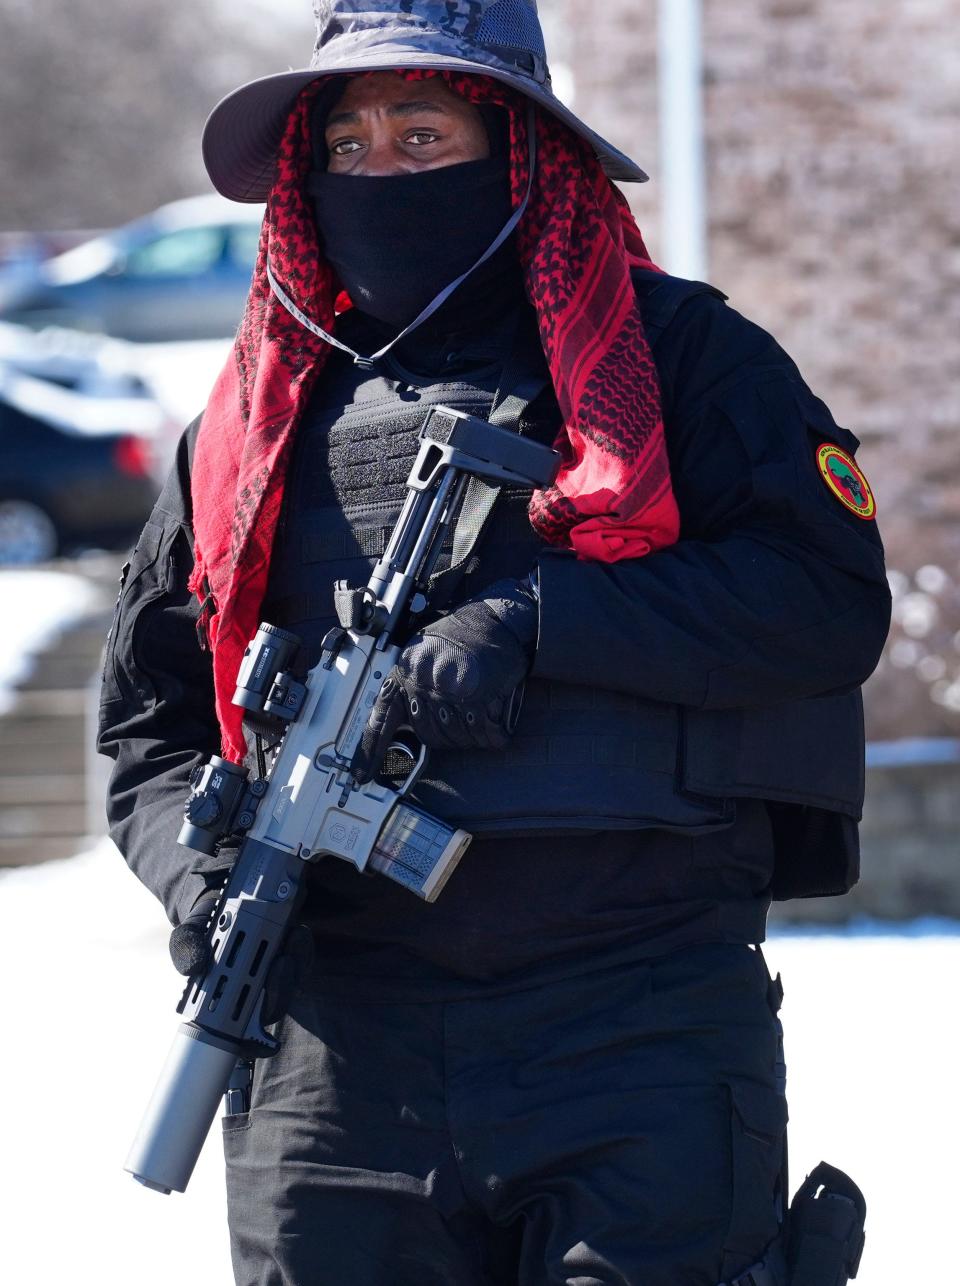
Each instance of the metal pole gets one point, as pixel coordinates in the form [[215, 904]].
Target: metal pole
[[682, 160]]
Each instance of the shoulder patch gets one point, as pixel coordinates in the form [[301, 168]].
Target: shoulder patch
[[846, 480]]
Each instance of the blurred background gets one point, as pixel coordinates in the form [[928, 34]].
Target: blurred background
[[804, 158]]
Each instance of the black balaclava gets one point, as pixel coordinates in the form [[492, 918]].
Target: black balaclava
[[395, 242]]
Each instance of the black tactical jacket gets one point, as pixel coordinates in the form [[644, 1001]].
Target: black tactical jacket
[[727, 666]]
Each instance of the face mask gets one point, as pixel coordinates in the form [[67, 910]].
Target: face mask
[[396, 242]]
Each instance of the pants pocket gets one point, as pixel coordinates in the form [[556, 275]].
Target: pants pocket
[[758, 1121]]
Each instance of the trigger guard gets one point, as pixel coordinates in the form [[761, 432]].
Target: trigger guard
[[416, 751]]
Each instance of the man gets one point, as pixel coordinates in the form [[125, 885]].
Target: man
[[568, 1069]]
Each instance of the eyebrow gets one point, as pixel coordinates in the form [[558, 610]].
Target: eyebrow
[[398, 109]]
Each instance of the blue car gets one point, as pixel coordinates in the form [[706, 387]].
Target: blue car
[[181, 273]]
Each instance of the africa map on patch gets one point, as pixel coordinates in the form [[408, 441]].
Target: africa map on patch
[[846, 480]]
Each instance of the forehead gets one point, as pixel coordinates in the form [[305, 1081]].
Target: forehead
[[385, 88]]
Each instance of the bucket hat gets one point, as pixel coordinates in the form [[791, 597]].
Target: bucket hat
[[498, 38]]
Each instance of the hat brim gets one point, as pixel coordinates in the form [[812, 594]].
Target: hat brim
[[243, 132]]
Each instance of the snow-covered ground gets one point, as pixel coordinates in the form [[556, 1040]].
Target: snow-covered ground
[[873, 1050], [90, 1003]]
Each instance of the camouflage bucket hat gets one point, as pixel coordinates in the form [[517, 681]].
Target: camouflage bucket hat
[[498, 38]]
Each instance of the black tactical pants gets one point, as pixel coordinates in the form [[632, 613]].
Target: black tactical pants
[[625, 1126]]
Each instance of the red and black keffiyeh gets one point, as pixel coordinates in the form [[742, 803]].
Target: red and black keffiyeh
[[577, 242]]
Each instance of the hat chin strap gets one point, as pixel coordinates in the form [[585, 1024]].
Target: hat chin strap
[[447, 291]]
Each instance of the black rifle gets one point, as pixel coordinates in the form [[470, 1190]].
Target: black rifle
[[308, 805]]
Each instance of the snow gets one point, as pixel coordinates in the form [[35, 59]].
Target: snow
[[872, 1050], [83, 1057], [37, 606], [871, 1044]]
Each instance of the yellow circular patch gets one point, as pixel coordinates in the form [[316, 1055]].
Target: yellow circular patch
[[846, 480]]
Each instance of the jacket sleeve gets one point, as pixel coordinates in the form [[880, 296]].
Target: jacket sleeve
[[157, 718], [775, 590]]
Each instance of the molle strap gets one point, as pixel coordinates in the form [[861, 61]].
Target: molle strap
[[368, 542]]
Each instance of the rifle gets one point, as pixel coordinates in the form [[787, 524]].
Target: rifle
[[306, 804]]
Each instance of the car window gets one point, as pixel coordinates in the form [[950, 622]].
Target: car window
[[177, 254], [242, 242]]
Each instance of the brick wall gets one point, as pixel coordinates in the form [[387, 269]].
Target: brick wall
[[833, 141]]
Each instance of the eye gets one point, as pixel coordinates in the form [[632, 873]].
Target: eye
[[343, 147], [420, 137]]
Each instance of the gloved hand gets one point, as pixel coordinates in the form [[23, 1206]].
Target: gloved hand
[[455, 682], [190, 953], [190, 941]]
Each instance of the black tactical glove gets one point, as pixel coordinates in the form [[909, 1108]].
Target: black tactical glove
[[190, 941], [190, 953], [456, 682]]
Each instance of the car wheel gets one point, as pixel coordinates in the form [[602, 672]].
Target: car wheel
[[27, 533]]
